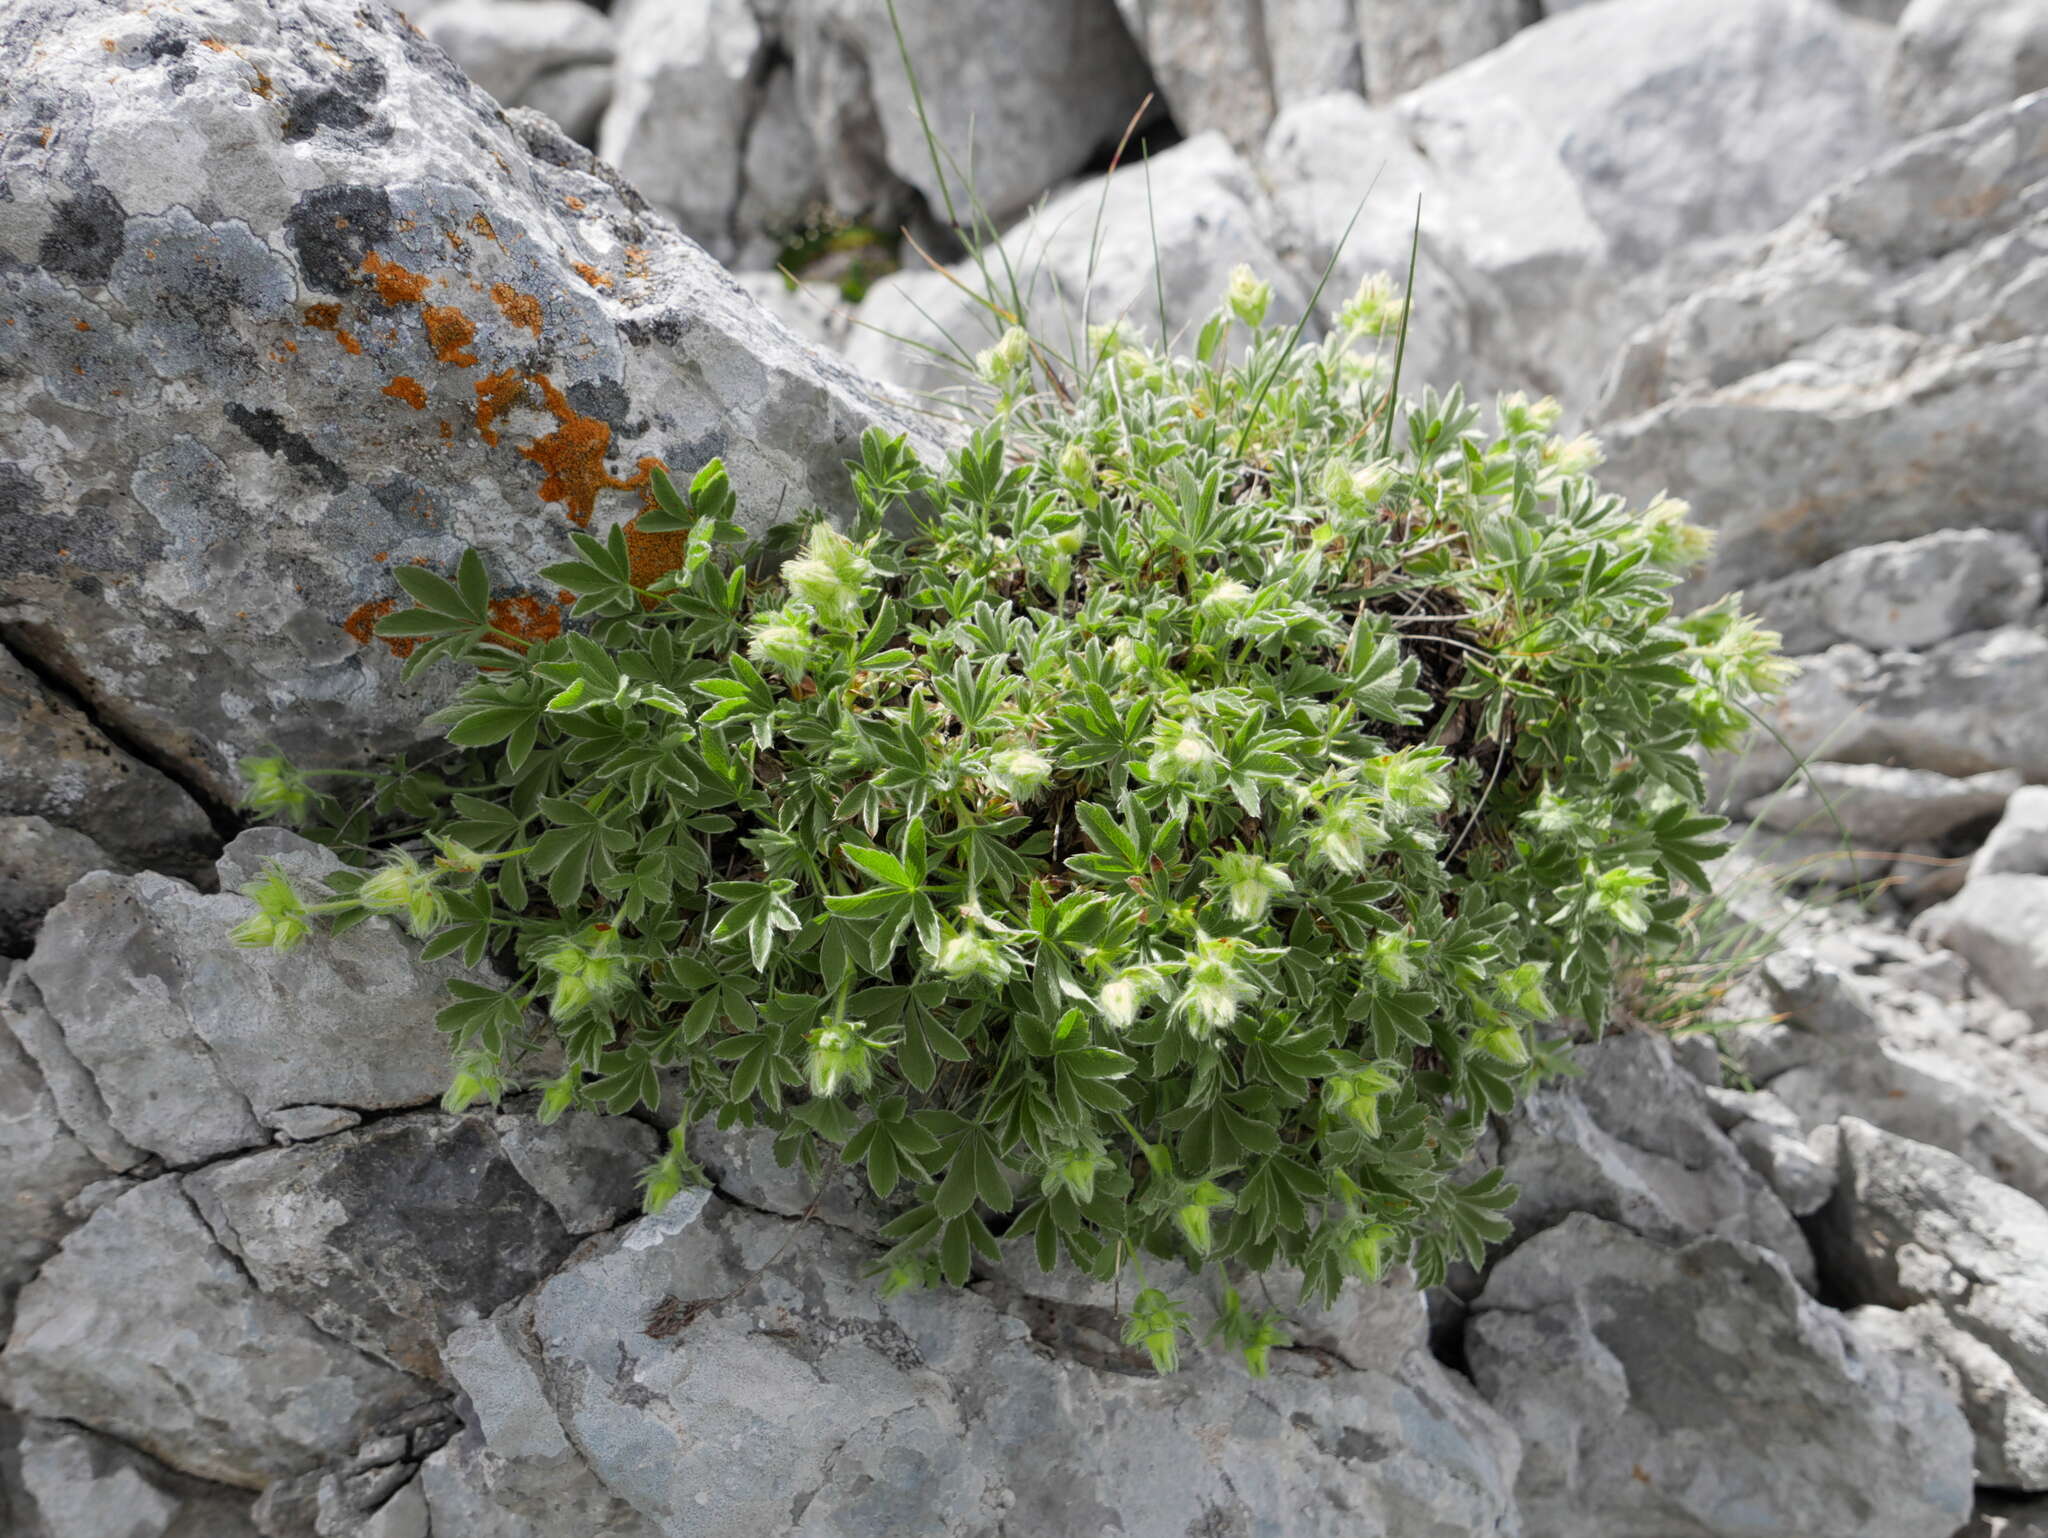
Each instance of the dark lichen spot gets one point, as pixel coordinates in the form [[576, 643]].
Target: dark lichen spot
[[342, 106], [665, 328], [333, 229], [605, 399], [406, 500], [265, 428], [86, 236]]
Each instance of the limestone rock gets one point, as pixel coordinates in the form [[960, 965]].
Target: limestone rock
[[1956, 58], [1851, 1046], [1999, 924], [2018, 846], [69, 1084], [303, 1123], [1576, 178], [509, 46], [43, 1166], [2008, 1419], [1211, 61], [575, 97], [865, 1415], [38, 863], [421, 324], [1905, 593], [1959, 708], [1635, 1142], [1882, 808], [1913, 1227], [55, 764], [1034, 90], [687, 94], [1408, 42], [1209, 215], [191, 1038], [143, 1328], [1698, 1389], [389, 1236], [81, 1485], [462, 1482], [1863, 374], [584, 1166]]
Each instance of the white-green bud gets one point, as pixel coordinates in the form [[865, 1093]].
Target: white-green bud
[[1248, 295]]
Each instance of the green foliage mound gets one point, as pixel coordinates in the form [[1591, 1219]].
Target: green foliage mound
[[1166, 829]]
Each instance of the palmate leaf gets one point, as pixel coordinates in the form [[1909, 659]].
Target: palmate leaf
[[757, 911], [893, 1146]]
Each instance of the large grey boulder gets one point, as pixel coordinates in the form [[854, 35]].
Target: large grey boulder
[[1955, 58], [1700, 1390], [419, 323], [1579, 177], [57, 765], [143, 1328], [390, 1236], [189, 1039], [1635, 1141], [1914, 1228], [1868, 373], [1162, 234], [77, 1484], [839, 1411], [1905, 593]]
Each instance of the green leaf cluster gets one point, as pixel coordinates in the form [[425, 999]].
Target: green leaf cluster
[[1168, 827]]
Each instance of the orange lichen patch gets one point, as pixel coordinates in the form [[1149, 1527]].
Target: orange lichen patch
[[591, 275], [395, 285], [574, 202], [447, 431], [327, 317], [107, 43], [381, 557], [82, 325], [649, 556], [637, 264], [526, 618], [262, 85], [520, 309], [450, 331], [454, 239], [573, 456], [44, 141], [361, 626], [495, 396], [408, 389], [482, 226], [215, 44]]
